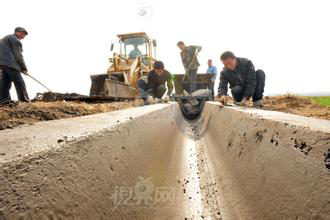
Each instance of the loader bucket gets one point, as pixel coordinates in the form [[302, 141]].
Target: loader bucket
[[181, 83], [105, 85]]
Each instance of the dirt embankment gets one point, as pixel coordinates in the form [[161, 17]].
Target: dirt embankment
[[29, 113], [296, 105]]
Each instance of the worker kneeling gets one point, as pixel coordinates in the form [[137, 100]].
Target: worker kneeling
[[155, 86], [243, 80]]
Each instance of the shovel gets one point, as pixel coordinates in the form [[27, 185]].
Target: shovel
[[38, 82]]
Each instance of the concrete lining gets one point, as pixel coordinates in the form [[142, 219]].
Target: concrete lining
[[269, 165], [49, 135], [150, 163]]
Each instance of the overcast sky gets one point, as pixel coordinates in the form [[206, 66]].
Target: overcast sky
[[69, 40]]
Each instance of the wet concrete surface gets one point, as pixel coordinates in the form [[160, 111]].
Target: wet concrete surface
[[150, 163]]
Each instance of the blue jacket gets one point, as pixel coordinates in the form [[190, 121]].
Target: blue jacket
[[213, 70], [11, 53]]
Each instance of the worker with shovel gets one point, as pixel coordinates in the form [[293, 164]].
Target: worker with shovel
[[190, 63], [243, 80], [12, 64]]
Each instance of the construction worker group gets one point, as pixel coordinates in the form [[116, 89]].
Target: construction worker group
[[245, 82]]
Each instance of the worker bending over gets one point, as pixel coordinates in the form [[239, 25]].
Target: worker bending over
[[190, 62], [12, 64], [243, 80], [155, 85]]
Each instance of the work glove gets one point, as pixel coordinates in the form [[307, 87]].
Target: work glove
[[166, 98], [150, 99], [243, 102], [223, 99]]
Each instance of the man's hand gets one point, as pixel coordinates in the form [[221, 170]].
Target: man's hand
[[243, 102], [223, 100], [25, 72]]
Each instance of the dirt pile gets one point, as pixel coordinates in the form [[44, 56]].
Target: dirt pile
[[296, 105], [29, 113]]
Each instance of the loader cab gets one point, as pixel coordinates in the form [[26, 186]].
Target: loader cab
[[137, 44], [133, 47]]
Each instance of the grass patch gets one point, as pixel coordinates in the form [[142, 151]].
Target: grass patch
[[322, 100]]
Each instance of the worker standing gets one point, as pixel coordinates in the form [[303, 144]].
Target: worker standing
[[155, 85], [12, 64], [212, 70], [243, 80], [190, 62]]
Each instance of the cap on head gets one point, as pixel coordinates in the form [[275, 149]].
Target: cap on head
[[159, 65], [226, 55], [20, 29]]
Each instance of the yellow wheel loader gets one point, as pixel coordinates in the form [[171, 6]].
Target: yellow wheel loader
[[135, 58]]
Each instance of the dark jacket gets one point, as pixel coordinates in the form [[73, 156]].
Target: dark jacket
[[154, 81], [244, 75], [11, 53]]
